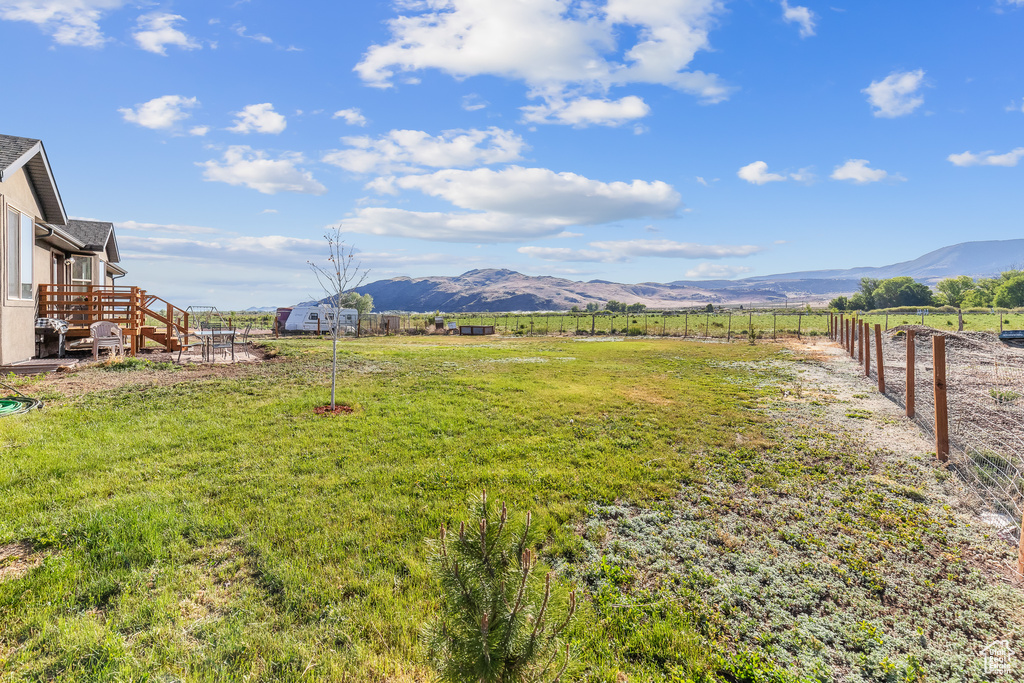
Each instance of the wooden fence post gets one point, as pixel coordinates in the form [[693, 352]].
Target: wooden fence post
[[867, 350], [842, 330], [910, 373], [774, 315], [1020, 550], [593, 320], [799, 319], [860, 341], [728, 335], [878, 360], [686, 323], [941, 413]]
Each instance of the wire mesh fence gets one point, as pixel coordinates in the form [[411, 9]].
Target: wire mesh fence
[[984, 394]]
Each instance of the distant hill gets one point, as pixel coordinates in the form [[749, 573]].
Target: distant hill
[[506, 290], [977, 259]]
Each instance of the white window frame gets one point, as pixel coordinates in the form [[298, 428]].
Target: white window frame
[[92, 274], [20, 245]]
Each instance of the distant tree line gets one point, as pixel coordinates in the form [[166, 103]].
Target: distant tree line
[[612, 306], [963, 291]]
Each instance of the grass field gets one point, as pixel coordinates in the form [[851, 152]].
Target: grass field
[[191, 526], [720, 325]]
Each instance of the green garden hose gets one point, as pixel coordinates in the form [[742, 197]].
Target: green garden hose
[[17, 405]]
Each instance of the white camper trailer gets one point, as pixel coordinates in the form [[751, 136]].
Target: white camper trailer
[[320, 318]]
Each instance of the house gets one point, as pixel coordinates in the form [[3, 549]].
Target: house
[[40, 246]]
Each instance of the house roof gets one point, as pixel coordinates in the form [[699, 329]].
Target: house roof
[[95, 236], [27, 153]]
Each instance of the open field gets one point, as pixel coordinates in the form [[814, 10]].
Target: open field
[[730, 512], [732, 325]]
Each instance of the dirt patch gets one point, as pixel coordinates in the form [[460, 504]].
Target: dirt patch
[[646, 395], [17, 559], [85, 379], [336, 410], [223, 572]]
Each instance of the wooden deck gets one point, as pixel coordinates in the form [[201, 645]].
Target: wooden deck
[[134, 310]]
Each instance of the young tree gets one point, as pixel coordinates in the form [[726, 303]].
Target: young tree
[[341, 274], [498, 621]]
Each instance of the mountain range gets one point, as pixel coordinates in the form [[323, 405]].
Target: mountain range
[[506, 290]]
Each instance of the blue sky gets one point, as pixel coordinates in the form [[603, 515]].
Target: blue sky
[[612, 139]]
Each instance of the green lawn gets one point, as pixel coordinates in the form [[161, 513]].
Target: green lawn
[[217, 527], [199, 527]]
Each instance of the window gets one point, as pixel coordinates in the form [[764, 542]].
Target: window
[[19, 255], [313, 316], [81, 271]]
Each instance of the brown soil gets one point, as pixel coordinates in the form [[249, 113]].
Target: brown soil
[[337, 410], [88, 378], [17, 559]]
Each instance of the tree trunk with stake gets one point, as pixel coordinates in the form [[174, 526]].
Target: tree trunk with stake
[[338, 277]]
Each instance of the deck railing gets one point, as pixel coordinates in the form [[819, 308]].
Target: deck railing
[[83, 305]]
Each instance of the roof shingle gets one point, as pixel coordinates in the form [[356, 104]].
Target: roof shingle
[[12, 148]]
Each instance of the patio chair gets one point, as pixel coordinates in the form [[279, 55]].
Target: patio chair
[[220, 337], [243, 341], [106, 334], [182, 344]]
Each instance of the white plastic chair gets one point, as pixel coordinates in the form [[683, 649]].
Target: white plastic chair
[[106, 334]]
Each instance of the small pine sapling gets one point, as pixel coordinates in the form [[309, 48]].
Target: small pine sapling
[[498, 620]]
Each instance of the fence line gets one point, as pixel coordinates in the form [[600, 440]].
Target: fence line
[[966, 390]]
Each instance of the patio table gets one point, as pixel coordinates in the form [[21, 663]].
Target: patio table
[[210, 339]]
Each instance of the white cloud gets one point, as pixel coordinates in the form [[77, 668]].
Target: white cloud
[[410, 150], [857, 171], [716, 271], [265, 251], [795, 14], [155, 31], [671, 249], [804, 175], [584, 111], [486, 227], [564, 254], [258, 37], [199, 131], [757, 173], [473, 102], [702, 181], [512, 205], [541, 193], [896, 94], [554, 47], [259, 118], [69, 22], [988, 158], [353, 116], [243, 165], [1013, 106], [161, 113], [165, 227]]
